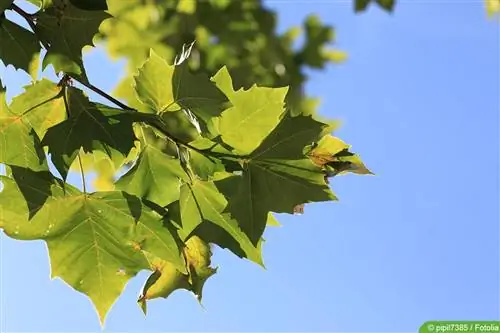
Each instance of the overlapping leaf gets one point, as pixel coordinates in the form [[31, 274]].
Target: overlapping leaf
[[165, 278], [67, 30], [277, 176], [19, 143], [95, 231], [253, 115], [200, 203], [42, 105], [19, 47], [90, 127], [162, 87], [156, 176]]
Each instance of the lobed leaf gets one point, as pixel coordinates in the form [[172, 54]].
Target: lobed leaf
[[19, 47], [67, 30], [19, 144], [253, 115], [90, 127], [88, 235]]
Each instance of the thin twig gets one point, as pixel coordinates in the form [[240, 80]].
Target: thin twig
[[30, 19], [31, 22], [100, 92], [82, 173]]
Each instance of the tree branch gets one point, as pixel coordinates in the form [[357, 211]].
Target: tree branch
[[152, 122], [100, 92], [30, 19]]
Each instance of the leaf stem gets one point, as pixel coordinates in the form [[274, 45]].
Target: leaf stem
[[82, 173]]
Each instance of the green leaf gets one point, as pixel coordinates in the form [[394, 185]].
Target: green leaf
[[91, 127], [277, 167], [200, 162], [42, 3], [19, 144], [90, 4], [198, 259], [153, 83], [272, 222], [155, 176], [164, 87], [43, 105], [19, 46], [67, 32], [88, 236], [215, 234], [4, 4], [162, 283], [204, 202], [361, 5], [388, 5], [166, 278], [196, 93], [254, 114], [326, 149]]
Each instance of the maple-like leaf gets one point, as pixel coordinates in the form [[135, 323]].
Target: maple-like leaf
[[19, 144], [276, 177], [165, 278], [90, 237], [254, 113], [42, 104], [19, 47], [163, 87], [156, 176], [90, 126], [200, 203], [66, 32]]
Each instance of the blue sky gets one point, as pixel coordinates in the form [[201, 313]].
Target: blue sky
[[419, 100]]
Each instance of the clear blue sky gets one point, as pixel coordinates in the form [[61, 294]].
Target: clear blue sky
[[419, 100]]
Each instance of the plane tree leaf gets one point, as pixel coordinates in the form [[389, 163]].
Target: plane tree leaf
[[156, 175], [254, 113], [163, 87], [165, 278], [66, 29], [42, 104], [88, 235], [276, 177], [19, 47], [19, 144], [90, 126], [203, 202], [200, 158]]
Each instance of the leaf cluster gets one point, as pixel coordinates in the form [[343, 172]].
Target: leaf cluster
[[203, 162]]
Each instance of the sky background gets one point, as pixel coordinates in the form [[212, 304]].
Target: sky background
[[419, 101]]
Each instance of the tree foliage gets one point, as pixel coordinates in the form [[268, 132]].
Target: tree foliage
[[213, 138], [205, 155]]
